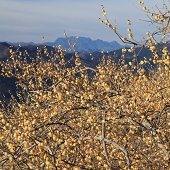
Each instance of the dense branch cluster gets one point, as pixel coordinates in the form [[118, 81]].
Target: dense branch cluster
[[64, 119]]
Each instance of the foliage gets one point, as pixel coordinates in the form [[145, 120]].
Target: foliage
[[119, 119]]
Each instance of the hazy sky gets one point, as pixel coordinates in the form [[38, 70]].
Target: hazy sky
[[26, 20]]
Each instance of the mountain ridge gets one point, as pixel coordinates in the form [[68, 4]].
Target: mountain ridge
[[83, 44]]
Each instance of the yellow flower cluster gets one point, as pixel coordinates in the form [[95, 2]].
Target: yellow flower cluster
[[71, 116]]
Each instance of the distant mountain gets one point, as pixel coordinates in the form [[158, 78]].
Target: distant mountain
[[91, 59], [21, 43], [4, 50], [83, 44], [84, 55]]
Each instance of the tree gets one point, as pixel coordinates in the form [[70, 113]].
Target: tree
[[119, 119]]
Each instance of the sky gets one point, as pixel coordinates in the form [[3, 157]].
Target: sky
[[28, 20]]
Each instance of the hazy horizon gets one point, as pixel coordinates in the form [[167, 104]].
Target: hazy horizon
[[26, 21]]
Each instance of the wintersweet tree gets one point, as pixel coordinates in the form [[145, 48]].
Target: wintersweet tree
[[64, 119]]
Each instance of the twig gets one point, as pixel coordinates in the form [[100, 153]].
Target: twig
[[103, 136], [115, 145]]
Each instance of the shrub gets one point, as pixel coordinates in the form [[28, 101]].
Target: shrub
[[119, 119]]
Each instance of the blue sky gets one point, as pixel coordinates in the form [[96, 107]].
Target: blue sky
[[26, 20]]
